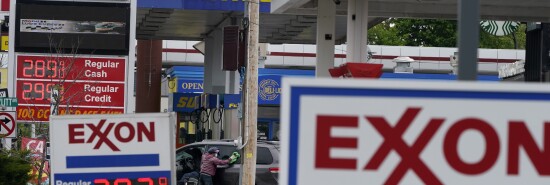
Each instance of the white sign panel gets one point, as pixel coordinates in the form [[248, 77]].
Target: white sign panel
[[414, 132], [113, 149]]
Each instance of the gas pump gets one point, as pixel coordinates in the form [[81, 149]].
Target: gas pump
[[201, 116], [210, 112]]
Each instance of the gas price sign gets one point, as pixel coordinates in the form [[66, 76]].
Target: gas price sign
[[91, 82], [127, 149]]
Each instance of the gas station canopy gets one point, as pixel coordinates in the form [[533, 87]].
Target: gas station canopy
[[176, 22], [294, 21], [514, 10]]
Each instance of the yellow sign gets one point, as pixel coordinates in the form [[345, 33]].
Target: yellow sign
[[4, 46], [233, 105], [3, 78], [172, 85], [186, 102]]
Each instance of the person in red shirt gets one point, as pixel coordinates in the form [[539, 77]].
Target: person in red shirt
[[209, 162]]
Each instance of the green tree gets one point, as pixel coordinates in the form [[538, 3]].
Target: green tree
[[385, 33], [435, 33], [487, 40], [427, 32], [14, 167]]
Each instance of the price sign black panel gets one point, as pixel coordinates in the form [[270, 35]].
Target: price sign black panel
[[88, 28]]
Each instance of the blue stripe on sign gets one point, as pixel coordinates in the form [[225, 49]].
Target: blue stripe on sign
[[298, 92], [100, 161]]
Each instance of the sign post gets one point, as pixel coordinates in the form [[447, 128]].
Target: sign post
[[398, 132], [113, 149]]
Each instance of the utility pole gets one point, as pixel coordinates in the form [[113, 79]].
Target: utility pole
[[251, 93]]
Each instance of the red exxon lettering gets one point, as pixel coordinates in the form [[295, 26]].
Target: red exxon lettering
[[118, 133], [143, 131], [492, 143], [325, 142], [102, 136], [410, 155], [102, 131], [73, 133], [519, 136]]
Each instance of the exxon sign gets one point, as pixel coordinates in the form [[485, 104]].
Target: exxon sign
[[113, 149], [403, 132]]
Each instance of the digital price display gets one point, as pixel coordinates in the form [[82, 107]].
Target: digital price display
[[71, 68], [81, 81], [116, 178], [43, 68], [35, 91], [133, 181]]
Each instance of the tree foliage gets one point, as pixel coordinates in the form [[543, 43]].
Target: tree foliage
[[435, 33], [385, 33], [487, 40], [14, 167]]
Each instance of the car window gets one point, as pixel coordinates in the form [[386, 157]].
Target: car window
[[226, 151], [264, 156], [182, 155], [190, 152]]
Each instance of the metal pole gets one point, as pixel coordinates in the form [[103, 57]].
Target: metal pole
[[251, 104], [468, 39]]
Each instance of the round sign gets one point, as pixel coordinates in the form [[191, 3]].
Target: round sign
[[269, 89], [7, 124], [499, 28]]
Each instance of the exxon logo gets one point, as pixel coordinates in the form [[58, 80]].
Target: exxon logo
[[140, 132]]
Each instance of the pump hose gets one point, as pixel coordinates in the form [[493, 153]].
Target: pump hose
[[202, 113], [197, 114], [220, 114]]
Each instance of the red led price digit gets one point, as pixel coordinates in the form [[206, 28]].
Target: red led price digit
[[121, 181], [61, 69], [101, 182], [48, 93], [27, 89], [163, 181], [148, 180], [27, 68], [39, 88], [40, 69], [52, 68]]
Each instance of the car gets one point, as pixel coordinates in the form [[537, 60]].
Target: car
[[110, 27], [85, 27], [188, 159]]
